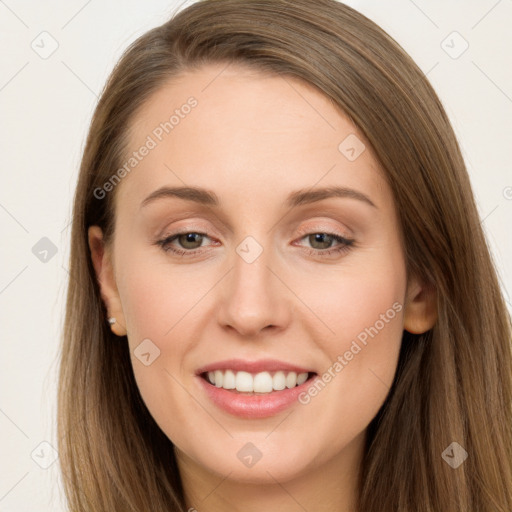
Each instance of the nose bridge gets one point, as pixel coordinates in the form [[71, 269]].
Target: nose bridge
[[253, 298]]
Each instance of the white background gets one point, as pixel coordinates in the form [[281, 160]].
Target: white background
[[45, 109]]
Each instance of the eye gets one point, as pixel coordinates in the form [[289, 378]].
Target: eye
[[322, 244], [190, 241]]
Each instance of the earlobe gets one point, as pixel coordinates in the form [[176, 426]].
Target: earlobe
[[420, 313], [102, 262]]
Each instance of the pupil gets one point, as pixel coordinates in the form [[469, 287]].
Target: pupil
[[323, 238], [191, 238]]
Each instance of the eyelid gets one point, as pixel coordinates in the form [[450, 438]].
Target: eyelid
[[318, 228], [312, 226], [307, 230], [194, 220], [190, 227]]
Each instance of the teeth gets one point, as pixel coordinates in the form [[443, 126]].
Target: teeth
[[263, 382]]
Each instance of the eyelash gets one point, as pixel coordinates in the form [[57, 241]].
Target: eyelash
[[345, 244]]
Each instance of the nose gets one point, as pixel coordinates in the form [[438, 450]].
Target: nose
[[253, 298]]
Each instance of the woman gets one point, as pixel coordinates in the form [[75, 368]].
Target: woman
[[334, 338]]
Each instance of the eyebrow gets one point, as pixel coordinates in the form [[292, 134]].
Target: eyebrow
[[296, 198]]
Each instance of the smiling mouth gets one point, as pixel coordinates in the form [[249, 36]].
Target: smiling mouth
[[261, 383]]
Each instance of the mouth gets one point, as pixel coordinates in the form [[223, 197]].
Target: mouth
[[261, 383]]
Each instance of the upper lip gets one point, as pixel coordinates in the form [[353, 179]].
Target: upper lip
[[261, 365]]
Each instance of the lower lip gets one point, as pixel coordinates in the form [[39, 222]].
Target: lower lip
[[253, 406]]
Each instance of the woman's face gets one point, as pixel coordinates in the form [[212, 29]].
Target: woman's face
[[262, 275]]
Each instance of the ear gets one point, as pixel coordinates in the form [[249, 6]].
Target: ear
[[102, 261], [420, 313]]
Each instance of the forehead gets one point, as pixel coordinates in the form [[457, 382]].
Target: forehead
[[246, 132]]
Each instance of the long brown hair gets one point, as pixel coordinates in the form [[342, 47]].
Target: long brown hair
[[453, 383]]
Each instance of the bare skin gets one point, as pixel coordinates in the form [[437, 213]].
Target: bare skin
[[253, 140]]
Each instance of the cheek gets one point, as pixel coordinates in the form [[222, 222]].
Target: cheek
[[362, 313], [154, 298], [362, 326], [357, 300], [154, 302], [159, 306]]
